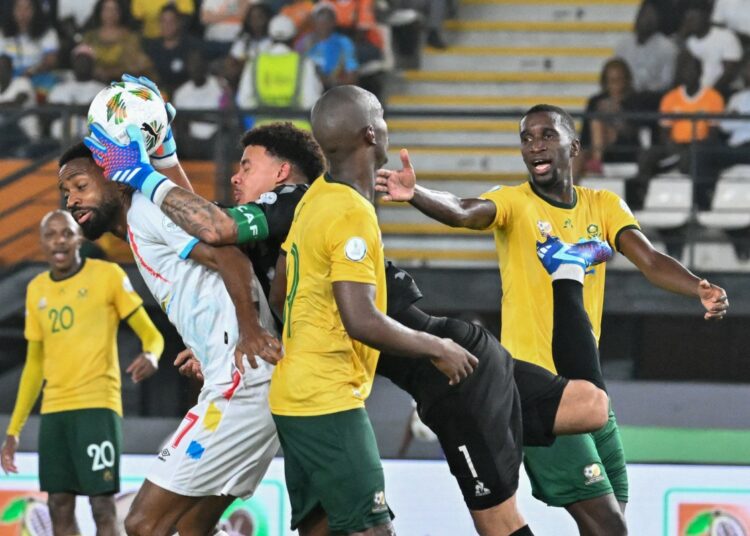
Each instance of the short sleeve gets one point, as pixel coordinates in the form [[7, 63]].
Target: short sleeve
[[618, 217], [500, 196], [32, 327], [238, 50], [125, 299], [49, 42], [353, 243]]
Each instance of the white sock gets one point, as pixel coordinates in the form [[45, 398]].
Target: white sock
[[569, 271]]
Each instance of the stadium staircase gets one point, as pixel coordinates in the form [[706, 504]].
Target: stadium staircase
[[503, 56]]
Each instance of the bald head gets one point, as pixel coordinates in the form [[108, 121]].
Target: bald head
[[63, 215], [342, 117]]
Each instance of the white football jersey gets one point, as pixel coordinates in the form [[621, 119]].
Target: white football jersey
[[193, 296]]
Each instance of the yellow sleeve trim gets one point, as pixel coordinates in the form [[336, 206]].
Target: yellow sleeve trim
[[28, 389], [151, 340]]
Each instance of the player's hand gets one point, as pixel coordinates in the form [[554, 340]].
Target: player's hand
[[165, 155], [256, 342], [454, 361], [126, 163], [144, 366], [189, 365], [714, 299], [8, 455], [397, 185]]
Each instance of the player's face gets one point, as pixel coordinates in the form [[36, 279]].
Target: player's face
[[90, 198], [259, 173], [61, 240], [547, 147], [381, 136]]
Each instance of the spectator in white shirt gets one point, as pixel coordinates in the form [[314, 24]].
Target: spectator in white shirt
[[202, 91], [79, 89], [718, 49], [734, 15], [649, 54], [252, 40]]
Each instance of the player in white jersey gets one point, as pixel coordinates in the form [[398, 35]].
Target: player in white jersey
[[224, 444]]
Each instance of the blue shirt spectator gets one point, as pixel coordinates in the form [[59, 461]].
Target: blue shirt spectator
[[333, 53]]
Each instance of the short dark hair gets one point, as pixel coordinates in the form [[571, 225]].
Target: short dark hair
[[567, 119], [284, 140], [79, 150]]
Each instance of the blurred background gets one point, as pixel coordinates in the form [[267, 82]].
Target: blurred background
[[660, 90]]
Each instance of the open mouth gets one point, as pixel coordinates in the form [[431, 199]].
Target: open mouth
[[541, 166], [82, 215], [236, 195], [60, 255]]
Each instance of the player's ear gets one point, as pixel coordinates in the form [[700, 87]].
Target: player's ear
[[575, 147], [284, 171], [370, 135]]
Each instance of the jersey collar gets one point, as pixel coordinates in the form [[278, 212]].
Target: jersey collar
[[555, 202], [83, 263]]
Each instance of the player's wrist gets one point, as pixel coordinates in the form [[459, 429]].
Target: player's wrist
[[151, 358], [165, 155]]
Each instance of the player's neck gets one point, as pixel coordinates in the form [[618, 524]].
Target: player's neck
[[73, 269], [560, 191], [359, 177], [119, 226]]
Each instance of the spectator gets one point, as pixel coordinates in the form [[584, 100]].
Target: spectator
[[279, 77], [649, 54], [735, 16], [15, 92], [610, 139], [202, 91], [169, 53], [79, 89], [117, 49], [252, 41], [300, 13], [718, 49], [670, 14], [72, 16], [332, 52], [738, 130], [32, 44], [148, 12], [678, 136], [433, 12], [222, 19]]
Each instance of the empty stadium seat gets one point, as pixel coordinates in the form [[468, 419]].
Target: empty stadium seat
[[602, 183], [620, 170], [730, 206], [668, 202]]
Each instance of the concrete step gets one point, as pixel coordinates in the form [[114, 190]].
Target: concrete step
[[549, 11], [516, 90], [462, 159], [486, 101], [495, 77], [451, 139], [518, 59], [574, 27], [466, 36]]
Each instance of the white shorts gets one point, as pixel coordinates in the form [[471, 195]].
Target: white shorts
[[222, 447]]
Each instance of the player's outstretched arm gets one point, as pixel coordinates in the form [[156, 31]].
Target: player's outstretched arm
[[236, 271], [473, 213], [28, 391], [667, 273], [365, 323]]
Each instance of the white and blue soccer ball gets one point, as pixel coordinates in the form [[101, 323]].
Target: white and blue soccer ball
[[125, 103]]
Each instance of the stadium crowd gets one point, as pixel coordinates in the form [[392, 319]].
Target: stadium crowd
[[210, 54]]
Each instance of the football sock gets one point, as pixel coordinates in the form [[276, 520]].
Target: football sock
[[523, 531], [569, 271], [574, 347]]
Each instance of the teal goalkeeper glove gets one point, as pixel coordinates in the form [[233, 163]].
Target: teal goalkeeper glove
[[165, 154], [127, 163]]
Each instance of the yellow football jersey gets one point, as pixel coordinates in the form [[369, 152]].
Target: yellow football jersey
[[334, 237], [76, 320], [523, 218]]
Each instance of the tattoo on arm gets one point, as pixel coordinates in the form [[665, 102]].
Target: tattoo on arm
[[199, 218]]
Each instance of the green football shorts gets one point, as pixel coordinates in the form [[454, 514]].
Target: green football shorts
[[332, 461], [579, 467], [79, 452]]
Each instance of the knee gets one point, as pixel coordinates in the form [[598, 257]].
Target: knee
[[598, 407], [103, 509], [138, 525], [61, 506], [615, 525]]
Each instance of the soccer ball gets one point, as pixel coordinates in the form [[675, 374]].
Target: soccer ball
[[125, 103]]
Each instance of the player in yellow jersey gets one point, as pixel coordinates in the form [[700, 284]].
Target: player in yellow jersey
[[586, 474], [72, 314], [335, 325]]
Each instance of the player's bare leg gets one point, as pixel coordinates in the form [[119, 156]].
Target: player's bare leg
[[601, 515], [583, 408], [314, 524], [105, 515], [501, 520], [202, 518], [381, 530], [155, 511], [62, 510]]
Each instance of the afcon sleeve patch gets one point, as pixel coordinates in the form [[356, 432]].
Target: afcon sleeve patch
[[355, 249]]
